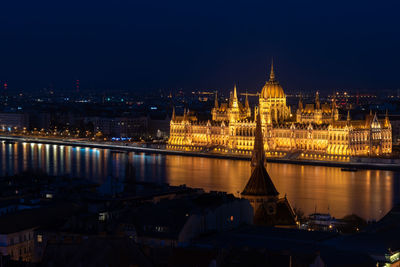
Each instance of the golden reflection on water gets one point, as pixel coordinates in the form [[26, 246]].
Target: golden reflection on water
[[368, 193]]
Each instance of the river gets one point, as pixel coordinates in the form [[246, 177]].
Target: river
[[367, 193]]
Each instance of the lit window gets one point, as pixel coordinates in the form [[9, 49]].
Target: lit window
[[39, 238]]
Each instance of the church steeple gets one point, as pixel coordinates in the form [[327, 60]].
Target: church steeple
[[272, 73], [260, 184], [261, 192], [258, 155]]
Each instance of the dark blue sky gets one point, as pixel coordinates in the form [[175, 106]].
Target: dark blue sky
[[139, 45]]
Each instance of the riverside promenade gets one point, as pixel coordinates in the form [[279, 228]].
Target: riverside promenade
[[355, 162]]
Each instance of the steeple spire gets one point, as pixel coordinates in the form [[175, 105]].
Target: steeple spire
[[234, 98], [260, 183], [258, 156], [387, 122], [216, 100], [173, 113], [246, 102], [272, 73], [348, 116]]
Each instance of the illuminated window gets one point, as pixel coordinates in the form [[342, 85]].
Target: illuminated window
[[39, 238]]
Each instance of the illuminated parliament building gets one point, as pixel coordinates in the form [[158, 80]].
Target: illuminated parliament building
[[314, 131]]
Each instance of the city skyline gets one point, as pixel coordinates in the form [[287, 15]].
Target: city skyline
[[212, 133]]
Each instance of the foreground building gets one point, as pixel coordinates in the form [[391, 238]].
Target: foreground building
[[269, 209], [176, 222], [314, 131]]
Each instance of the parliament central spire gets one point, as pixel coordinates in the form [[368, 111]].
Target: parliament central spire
[[272, 73]]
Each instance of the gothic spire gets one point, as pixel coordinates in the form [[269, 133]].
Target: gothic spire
[[234, 98], [375, 118], [216, 100], [173, 113], [258, 156], [348, 116], [246, 102], [260, 183], [272, 73], [387, 122]]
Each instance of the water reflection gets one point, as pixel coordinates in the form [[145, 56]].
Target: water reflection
[[369, 193]]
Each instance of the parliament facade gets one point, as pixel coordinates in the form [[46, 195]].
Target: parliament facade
[[314, 131]]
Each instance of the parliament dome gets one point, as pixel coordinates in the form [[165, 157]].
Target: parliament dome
[[272, 88]]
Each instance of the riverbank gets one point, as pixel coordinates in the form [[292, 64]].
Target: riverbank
[[357, 163]]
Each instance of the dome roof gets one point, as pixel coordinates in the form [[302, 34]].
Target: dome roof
[[272, 88]]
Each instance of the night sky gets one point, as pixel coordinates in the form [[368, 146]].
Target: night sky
[[138, 45]]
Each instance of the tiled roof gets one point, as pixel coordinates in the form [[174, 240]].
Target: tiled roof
[[284, 215], [260, 184]]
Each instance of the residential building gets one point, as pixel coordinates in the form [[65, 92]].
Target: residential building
[[176, 222]]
